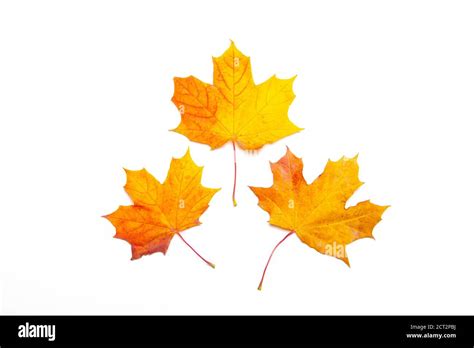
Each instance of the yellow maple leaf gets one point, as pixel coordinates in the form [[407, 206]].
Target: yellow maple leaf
[[234, 108], [161, 211], [316, 212]]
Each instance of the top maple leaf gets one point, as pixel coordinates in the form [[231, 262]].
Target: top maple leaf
[[234, 108]]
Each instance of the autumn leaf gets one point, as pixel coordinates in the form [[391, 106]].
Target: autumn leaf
[[317, 212], [161, 211], [234, 108]]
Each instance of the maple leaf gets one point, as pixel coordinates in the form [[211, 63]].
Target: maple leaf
[[234, 108], [161, 211], [316, 213]]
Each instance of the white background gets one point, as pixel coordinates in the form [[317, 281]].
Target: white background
[[85, 90]]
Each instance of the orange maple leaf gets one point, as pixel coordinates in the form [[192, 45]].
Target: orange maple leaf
[[234, 108], [316, 213], [161, 211]]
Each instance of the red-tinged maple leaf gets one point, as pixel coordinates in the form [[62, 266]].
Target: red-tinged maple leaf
[[161, 211]]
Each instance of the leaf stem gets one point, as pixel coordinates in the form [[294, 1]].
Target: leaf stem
[[270, 257], [235, 174], [202, 258]]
